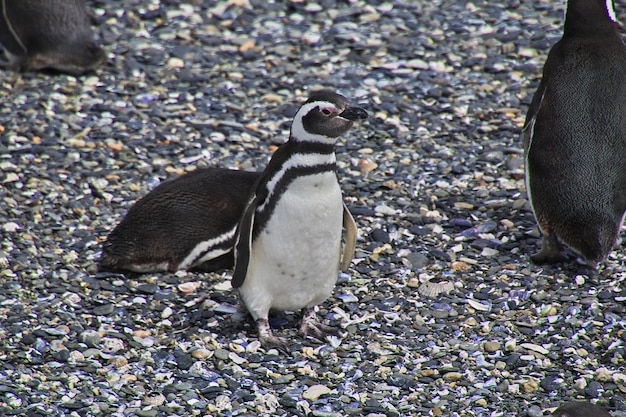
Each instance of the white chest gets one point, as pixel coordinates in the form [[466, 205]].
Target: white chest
[[295, 260]]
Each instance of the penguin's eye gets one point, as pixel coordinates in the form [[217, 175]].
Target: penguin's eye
[[327, 111]]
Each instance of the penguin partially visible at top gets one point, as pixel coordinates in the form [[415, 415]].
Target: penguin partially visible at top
[[575, 137], [580, 409], [185, 223], [287, 252], [48, 34]]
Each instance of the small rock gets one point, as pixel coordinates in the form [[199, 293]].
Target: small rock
[[175, 63], [530, 386], [435, 287], [112, 345], [201, 353], [549, 384], [315, 391], [534, 411], [221, 354], [118, 361], [91, 338], [491, 347], [157, 399], [535, 348], [593, 389], [452, 376], [189, 287]]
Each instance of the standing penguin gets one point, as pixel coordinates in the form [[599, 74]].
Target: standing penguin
[[55, 34], [575, 137], [287, 251]]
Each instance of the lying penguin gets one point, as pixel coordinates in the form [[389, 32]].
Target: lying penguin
[[185, 223], [287, 250], [580, 409], [48, 34], [575, 137]]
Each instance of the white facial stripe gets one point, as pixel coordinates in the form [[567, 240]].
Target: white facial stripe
[[611, 10], [203, 246], [296, 160], [297, 128]]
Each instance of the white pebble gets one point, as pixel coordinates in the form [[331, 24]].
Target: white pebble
[[11, 227]]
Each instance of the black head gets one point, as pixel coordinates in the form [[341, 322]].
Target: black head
[[593, 17], [325, 116]]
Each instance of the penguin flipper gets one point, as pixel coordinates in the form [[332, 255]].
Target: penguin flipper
[[531, 116], [8, 36], [349, 245], [243, 243]]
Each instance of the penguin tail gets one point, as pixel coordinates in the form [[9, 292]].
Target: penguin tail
[[593, 240]]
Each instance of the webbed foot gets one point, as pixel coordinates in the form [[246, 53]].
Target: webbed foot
[[267, 338], [550, 251], [310, 325]]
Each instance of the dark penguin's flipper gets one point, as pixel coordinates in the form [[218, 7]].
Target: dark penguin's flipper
[[8, 35], [349, 245], [531, 116], [243, 243]]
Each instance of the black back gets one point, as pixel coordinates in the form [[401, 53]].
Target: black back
[[580, 409], [50, 34], [167, 223], [577, 159]]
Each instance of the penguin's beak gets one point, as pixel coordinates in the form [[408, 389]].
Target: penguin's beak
[[353, 113]]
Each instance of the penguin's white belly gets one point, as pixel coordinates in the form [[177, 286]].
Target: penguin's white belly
[[294, 261]]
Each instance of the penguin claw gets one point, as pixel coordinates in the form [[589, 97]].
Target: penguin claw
[[544, 257], [280, 343], [267, 338], [550, 251], [310, 326]]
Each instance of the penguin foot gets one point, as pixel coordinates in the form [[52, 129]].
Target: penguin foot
[[550, 251], [542, 257], [310, 325], [267, 338], [586, 263]]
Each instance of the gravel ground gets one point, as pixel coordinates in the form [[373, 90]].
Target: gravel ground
[[433, 178]]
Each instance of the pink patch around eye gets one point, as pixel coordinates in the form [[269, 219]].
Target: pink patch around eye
[[328, 110]]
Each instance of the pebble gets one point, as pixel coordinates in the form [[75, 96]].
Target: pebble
[[91, 338], [593, 389], [201, 353], [534, 348], [155, 400], [452, 376], [314, 392], [491, 346], [534, 411]]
